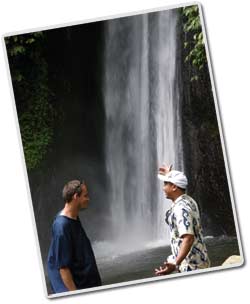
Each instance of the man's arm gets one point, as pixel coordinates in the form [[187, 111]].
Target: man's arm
[[67, 279], [187, 242]]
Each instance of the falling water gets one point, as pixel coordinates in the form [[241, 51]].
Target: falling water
[[142, 122]]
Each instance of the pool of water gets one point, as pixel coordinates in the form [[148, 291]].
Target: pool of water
[[140, 264]]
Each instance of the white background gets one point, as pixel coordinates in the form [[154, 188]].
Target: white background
[[228, 33]]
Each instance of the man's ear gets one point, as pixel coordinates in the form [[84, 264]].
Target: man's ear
[[174, 187], [75, 196]]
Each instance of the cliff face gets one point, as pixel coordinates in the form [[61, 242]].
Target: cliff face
[[203, 156]]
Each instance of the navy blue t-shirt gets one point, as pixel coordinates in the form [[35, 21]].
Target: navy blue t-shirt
[[71, 248]]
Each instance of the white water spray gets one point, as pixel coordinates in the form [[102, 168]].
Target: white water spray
[[142, 122]]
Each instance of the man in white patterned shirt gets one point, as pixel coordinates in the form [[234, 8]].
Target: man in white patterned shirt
[[188, 248]]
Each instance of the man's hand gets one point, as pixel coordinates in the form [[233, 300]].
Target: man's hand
[[167, 269], [164, 169]]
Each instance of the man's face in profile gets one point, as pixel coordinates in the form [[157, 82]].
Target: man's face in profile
[[84, 197]]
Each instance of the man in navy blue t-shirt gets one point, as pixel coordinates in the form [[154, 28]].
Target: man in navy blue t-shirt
[[71, 261]]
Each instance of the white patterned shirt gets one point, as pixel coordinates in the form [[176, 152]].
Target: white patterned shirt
[[183, 217]]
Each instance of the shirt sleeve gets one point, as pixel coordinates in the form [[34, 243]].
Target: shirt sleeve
[[184, 220], [62, 247]]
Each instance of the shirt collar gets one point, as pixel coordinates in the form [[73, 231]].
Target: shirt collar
[[178, 199]]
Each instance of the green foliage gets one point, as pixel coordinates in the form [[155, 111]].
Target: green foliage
[[35, 125], [29, 71], [18, 47], [194, 43]]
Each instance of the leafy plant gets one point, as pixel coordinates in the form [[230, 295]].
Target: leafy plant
[[194, 42], [29, 71]]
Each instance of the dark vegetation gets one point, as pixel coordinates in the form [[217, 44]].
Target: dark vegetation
[[29, 71], [203, 155]]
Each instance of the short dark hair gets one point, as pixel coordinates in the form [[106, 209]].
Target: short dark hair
[[71, 188], [182, 189]]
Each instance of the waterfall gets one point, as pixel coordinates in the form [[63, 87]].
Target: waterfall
[[142, 122]]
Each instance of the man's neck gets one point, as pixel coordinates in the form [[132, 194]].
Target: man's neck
[[177, 196], [70, 211]]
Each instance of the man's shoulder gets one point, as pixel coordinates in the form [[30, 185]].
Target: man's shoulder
[[61, 223], [185, 201], [188, 203]]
